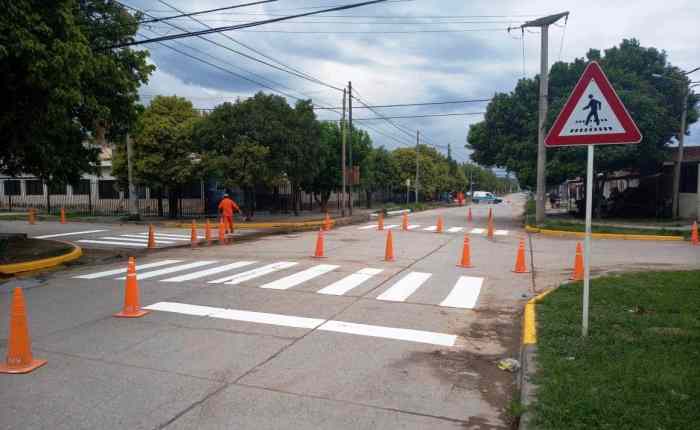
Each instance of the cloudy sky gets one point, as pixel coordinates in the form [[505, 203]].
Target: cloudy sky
[[399, 52]]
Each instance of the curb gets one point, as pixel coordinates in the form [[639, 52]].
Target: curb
[[580, 234], [44, 263], [528, 352]]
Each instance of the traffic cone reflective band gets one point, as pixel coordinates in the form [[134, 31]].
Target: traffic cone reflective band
[[577, 274], [466, 260], [151, 237], [319, 245], [389, 252], [404, 222], [489, 232], [207, 232], [438, 227], [132, 306], [32, 216], [380, 221], [63, 216], [222, 231], [694, 235], [327, 222], [193, 235], [520, 259], [19, 357], [469, 214]]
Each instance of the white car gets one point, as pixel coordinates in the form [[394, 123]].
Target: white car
[[485, 197]]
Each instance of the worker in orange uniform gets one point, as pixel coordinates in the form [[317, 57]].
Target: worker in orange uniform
[[227, 207]]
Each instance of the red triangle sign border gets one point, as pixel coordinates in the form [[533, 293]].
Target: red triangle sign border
[[631, 133]]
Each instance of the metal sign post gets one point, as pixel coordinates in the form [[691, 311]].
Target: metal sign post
[[587, 240]]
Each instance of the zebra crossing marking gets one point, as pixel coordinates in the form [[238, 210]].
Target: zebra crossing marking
[[391, 333], [349, 282], [120, 243], [255, 273], [211, 271], [413, 226], [477, 231], [73, 233], [367, 227], [406, 286], [297, 278], [500, 232], [172, 269], [129, 239], [464, 294], [431, 228], [455, 229], [123, 270]]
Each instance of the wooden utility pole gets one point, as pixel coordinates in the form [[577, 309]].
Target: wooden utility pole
[[343, 132], [133, 210], [417, 162], [352, 168]]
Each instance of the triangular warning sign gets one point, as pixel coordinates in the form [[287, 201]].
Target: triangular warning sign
[[593, 115]]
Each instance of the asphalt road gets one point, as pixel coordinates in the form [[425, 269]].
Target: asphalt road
[[259, 335]]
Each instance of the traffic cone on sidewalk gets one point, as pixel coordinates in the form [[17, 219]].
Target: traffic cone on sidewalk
[[151, 237], [469, 215], [520, 258], [389, 251], [438, 227], [19, 345], [132, 306], [466, 260], [32, 216], [404, 222], [207, 232], [63, 216], [327, 222], [577, 274], [380, 221], [222, 232], [193, 235], [694, 235], [319, 245]]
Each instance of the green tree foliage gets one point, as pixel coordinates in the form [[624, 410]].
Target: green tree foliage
[[60, 87], [379, 173], [508, 135]]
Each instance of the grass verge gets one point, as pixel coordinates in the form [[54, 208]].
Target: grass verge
[[638, 369], [573, 226]]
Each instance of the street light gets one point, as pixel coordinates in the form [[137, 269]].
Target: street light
[[681, 135]]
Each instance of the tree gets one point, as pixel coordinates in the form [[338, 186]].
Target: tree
[[165, 156], [379, 173], [60, 87], [508, 135]]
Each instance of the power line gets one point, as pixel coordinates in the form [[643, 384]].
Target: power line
[[239, 26], [371, 22], [418, 104], [420, 116], [182, 15]]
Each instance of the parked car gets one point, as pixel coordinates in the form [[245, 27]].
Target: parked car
[[485, 197]]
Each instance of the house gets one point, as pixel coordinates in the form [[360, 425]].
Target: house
[[689, 198]]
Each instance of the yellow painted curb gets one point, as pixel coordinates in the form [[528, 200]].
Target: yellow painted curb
[[44, 263], [621, 236], [530, 320]]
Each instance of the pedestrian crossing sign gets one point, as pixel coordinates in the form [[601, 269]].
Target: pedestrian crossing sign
[[593, 115]]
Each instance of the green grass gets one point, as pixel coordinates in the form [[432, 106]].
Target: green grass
[[575, 226], [640, 366]]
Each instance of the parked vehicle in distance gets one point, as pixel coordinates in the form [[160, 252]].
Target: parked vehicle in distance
[[485, 197]]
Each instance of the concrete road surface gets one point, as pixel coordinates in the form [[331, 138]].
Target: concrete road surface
[[260, 335]]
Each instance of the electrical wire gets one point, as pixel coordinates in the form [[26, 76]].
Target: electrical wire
[[183, 14], [419, 104]]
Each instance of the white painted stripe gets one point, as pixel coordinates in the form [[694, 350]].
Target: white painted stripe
[[500, 232], [180, 268], [104, 242], [207, 272], [128, 239], [477, 231], [431, 228], [349, 282], [413, 226], [465, 293], [73, 233], [300, 277], [455, 229], [123, 270], [419, 336], [367, 227], [390, 226], [169, 236], [157, 238], [406, 286], [255, 273], [408, 335], [265, 318]]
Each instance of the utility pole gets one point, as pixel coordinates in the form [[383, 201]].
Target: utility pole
[[417, 162], [544, 24], [343, 133], [352, 168], [133, 210], [679, 158]]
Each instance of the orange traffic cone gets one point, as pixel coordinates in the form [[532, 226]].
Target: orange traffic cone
[[490, 214], [438, 227], [207, 232], [63, 216], [577, 274], [489, 231], [327, 222], [151, 237], [694, 234], [380, 221], [19, 345], [520, 259], [193, 235], [404, 222], [466, 260], [32, 216], [222, 232], [469, 215], [132, 306], [319, 245], [389, 252]]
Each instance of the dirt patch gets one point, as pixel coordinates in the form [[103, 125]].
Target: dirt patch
[[19, 250]]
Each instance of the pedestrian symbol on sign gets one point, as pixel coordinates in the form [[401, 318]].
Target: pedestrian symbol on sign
[[594, 105]]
